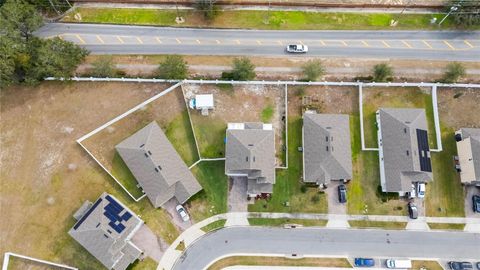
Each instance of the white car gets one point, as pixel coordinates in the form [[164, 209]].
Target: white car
[[421, 190], [183, 213], [297, 48]]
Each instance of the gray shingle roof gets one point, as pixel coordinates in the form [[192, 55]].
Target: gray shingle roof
[[469, 154], [156, 165], [94, 232], [326, 147], [251, 151], [400, 148]]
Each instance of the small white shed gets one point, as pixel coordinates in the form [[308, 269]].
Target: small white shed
[[203, 103]]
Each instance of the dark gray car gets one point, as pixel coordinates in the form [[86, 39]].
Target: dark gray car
[[412, 210], [460, 265], [342, 193]]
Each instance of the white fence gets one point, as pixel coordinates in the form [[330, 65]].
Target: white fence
[[7, 255]]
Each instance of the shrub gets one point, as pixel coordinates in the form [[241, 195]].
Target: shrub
[[173, 67], [315, 198], [243, 69], [454, 71], [303, 188], [382, 72], [208, 8], [104, 67], [312, 70]]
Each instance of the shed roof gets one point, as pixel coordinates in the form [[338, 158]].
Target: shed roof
[[204, 101], [469, 155]]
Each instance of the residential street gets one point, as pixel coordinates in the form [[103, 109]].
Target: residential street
[[118, 39], [322, 241]]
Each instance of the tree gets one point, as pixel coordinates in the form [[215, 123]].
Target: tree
[[382, 72], [19, 19], [208, 8], [173, 67], [7, 62], [104, 67], [243, 69], [466, 13], [312, 70], [454, 71]]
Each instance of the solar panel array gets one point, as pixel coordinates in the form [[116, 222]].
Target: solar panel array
[[424, 151], [112, 212]]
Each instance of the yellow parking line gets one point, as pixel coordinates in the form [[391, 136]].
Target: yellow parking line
[[365, 43], [139, 40], [237, 41], [322, 42], [449, 45], [427, 44], [259, 42], [100, 39], [60, 37], [158, 40], [81, 39], [198, 41], [279, 42], [406, 44], [468, 43], [218, 41], [301, 42], [344, 43], [120, 39], [178, 40], [386, 44]]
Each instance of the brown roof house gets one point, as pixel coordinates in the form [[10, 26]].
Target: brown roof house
[[404, 153], [327, 153], [250, 153], [156, 165], [468, 148], [105, 228]]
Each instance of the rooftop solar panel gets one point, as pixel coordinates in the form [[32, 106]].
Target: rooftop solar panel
[[424, 149], [112, 212]]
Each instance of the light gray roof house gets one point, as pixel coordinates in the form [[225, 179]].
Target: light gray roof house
[[404, 152], [250, 152], [156, 165], [327, 153], [104, 229], [468, 147]]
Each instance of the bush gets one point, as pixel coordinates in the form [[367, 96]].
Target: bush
[[208, 8], [103, 67], [315, 198], [312, 70], [382, 72], [173, 67], [303, 188], [243, 69], [454, 71], [467, 13]]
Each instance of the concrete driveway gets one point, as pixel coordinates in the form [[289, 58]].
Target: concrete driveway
[[147, 241], [470, 191], [334, 207], [170, 206], [237, 194]]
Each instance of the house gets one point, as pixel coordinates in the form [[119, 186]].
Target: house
[[105, 228], [404, 153], [157, 167], [327, 153], [202, 103], [250, 154], [468, 147]]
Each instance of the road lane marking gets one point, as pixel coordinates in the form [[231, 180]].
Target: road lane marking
[[344, 43], [218, 41], [237, 41], [279, 42], [427, 44], [365, 43], [322, 42], [178, 41], [198, 41], [407, 44], [259, 42], [81, 39], [386, 44], [100, 39], [158, 40], [449, 45], [301, 42], [139, 40], [120, 39], [468, 43]]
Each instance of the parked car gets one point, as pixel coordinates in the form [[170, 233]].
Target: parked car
[[476, 203], [421, 190], [183, 213], [342, 193], [460, 265], [478, 265], [297, 48], [364, 262], [412, 210], [398, 264]]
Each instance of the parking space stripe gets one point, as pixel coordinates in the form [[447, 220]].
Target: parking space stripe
[[279, 42], [322, 42], [178, 40], [301, 42], [386, 44], [468, 44], [344, 43], [120, 39], [218, 41], [158, 40], [139, 40], [406, 44], [259, 42], [100, 39], [449, 45], [198, 41], [427, 44], [237, 41], [80, 38], [365, 43]]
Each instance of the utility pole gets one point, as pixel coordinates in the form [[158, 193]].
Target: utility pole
[[452, 9], [394, 22]]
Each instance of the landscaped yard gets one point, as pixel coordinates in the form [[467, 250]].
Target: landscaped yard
[[377, 224], [446, 226], [279, 261], [214, 225], [286, 20], [212, 200], [282, 221]]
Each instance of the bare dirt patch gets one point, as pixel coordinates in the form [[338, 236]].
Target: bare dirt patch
[[45, 176], [458, 107]]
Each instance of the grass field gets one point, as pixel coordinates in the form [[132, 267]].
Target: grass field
[[279, 261], [212, 200], [446, 226], [267, 113], [288, 182], [377, 224], [214, 225], [210, 132], [275, 222], [285, 20]]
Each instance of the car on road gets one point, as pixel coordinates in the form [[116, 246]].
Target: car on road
[[478, 265], [460, 265], [364, 262], [297, 48], [421, 190], [183, 213], [342, 194], [476, 204], [412, 210]]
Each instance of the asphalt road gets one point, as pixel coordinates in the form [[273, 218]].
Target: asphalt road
[[117, 39], [333, 242]]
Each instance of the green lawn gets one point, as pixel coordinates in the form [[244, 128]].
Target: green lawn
[[285, 20], [377, 224], [210, 132], [212, 200], [426, 265], [446, 226], [279, 261], [124, 176], [146, 264], [288, 182], [179, 133], [267, 113], [214, 225], [445, 195], [282, 221]]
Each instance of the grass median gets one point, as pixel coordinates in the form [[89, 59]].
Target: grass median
[[254, 19]]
